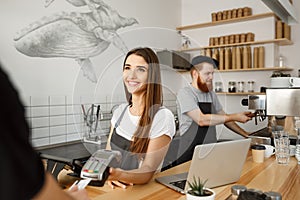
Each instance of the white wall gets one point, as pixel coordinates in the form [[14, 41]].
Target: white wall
[[157, 22], [35, 76], [199, 11], [53, 88]]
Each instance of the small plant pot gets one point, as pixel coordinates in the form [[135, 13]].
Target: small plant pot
[[210, 195]]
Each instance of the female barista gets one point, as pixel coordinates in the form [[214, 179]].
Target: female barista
[[142, 128]]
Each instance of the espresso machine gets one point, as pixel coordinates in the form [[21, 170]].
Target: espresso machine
[[276, 105]]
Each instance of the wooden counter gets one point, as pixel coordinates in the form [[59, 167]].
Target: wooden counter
[[266, 176]]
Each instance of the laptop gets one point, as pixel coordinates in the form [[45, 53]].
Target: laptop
[[219, 163]]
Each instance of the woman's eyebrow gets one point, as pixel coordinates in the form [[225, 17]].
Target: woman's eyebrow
[[142, 66]]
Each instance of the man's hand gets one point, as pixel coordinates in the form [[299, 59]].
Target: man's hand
[[243, 117]]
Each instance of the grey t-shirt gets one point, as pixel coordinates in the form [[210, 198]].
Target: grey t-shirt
[[188, 98]]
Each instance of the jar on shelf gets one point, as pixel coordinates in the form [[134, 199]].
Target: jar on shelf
[[218, 86], [241, 86], [232, 86], [281, 60], [250, 86]]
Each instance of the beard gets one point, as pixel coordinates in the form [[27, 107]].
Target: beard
[[204, 87]]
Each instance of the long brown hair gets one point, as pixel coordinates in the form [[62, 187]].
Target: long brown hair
[[152, 99]]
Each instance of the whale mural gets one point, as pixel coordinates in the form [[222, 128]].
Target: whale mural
[[76, 35]]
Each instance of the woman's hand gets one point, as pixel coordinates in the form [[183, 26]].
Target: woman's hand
[[120, 184], [116, 183]]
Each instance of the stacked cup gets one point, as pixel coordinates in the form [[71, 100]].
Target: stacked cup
[[282, 147]]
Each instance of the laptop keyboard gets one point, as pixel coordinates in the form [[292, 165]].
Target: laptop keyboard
[[179, 184]]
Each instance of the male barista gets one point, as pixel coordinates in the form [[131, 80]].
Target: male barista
[[199, 110]]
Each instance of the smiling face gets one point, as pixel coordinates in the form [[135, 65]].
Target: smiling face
[[135, 74]]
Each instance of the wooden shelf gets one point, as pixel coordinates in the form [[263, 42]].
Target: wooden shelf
[[228, 21], [239, 93], [259, 69], [281, 42]]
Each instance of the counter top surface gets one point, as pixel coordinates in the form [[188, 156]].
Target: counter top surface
[[266, 176]]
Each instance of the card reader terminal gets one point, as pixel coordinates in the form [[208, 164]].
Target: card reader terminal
[[97, 166]]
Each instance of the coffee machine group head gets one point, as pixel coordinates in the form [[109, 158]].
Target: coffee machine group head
[[258, 104]]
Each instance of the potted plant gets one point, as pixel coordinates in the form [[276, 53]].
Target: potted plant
[[197, 190]]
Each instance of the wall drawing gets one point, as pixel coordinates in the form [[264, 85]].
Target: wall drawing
[[76, 35]]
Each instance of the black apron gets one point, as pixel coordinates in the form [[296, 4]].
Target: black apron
[[119, 143], [196, 135]]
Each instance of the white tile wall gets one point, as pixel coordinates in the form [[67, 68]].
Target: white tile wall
[[59, 119]]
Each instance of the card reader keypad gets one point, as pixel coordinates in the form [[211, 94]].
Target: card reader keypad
[[93, 165]]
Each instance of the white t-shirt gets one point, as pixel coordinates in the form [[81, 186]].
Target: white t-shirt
[[163, 123]]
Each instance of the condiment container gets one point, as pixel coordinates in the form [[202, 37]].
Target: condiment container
[[241, 86], [224, 15], [227, 58], [221, 59], [286, 31], [233, 57], [239, 57], [279, 29], [236, 190], [261, 57], [213, 17], [240, 12], [234, 13], [255, 57], [231, 87], [218, 86], [219, 16], [245, 64], [251, 86], [208, 52], [273, 195]]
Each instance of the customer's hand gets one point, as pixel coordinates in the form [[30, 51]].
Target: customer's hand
[[77, 194]]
